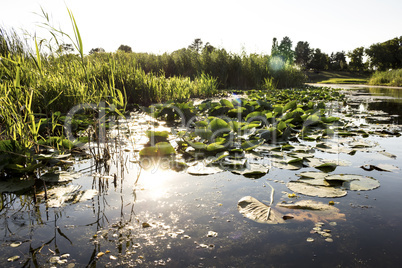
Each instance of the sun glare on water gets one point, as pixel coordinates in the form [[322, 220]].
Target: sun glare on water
[[156, 183]]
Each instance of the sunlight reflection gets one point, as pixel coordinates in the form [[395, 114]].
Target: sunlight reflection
[[156, 183]]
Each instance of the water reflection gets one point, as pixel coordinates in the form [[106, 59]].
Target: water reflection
[[146, 214]]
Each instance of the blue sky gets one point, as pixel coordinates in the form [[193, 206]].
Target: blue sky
[[164, 26]]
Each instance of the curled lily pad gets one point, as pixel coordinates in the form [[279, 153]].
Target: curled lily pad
[[327, 167], [380, 167], [251, 144], [257, 211], [315, 190]]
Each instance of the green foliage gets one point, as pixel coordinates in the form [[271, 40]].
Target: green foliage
[[388, 78], [356, 59], [386, 55]]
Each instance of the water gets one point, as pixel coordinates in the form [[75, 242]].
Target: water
[[165, 218]]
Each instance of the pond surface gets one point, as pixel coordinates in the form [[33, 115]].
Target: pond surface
[[156, 216]]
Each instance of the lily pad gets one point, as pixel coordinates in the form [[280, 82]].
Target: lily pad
[[201, 169], [326, 167], [257, 211], [308, 204], [309, 210], [380, 167], [315, 190], [252, 170], [15, 185], [355, 182]]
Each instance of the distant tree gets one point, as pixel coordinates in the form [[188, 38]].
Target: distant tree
[[196, 45], [337, 61], [275, 47], [208, 48], [65, 48], [303, 54], [386, 55], [285, 50], [319, 61], [125, 48], [96, 50], [356, 59]]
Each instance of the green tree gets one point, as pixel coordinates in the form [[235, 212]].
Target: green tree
[[337, 61], [319, 61], [285, 50], [303, 54], [386, 55], [356, 59], [196, 45], [96, 50], [125, 48], [208, 48], [275, 47]]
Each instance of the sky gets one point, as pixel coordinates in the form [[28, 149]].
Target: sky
[[158, 26]]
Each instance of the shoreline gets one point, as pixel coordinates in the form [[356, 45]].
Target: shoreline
[[351, 85]]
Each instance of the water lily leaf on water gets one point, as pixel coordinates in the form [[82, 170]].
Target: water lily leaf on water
[[261, 116], [217, 158], [355, 182], [380, 167], [200, 169], [215, 147], [309, 210], [313, 174], [15, 185], [226, 103], [252, 170], [387, 154], [204, 133], [251, 144], [326, 167], [284, 165], [234, 163], [160, 149], [219, 126], [302, 187], [257, 211], [308, 204]]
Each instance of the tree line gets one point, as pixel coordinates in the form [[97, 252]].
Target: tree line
[[379, 56]]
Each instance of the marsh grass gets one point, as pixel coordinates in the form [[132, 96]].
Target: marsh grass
[[387, 78], [38, 89]]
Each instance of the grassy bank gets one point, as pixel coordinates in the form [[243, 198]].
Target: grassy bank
[[39, 90], [387, 78], [332, 77]]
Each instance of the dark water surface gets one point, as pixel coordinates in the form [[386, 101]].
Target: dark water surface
[[166, 217]]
